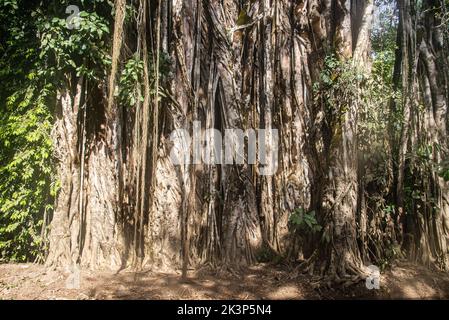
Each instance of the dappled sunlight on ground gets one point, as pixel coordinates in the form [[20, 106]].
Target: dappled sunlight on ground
[[29, 281]]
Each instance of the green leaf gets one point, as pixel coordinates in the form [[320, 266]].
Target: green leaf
[[243, 18]]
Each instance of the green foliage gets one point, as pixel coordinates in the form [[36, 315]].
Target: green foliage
[[444, 170], [25, 144], [130, 80], [243, 18], [337, 87], [25, 174], [421, 167], [383, 36], [392, 253], [304, 221], [266, 254], [37, 51], [377, 125], [82, 50]]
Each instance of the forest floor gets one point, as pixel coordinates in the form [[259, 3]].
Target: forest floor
[[31, 281]]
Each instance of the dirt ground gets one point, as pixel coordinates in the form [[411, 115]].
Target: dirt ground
[[30, 281]]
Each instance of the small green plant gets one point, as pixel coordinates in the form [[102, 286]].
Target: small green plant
[[268, 255], [304, 221], [392, 253], [390, 209], [131, 76], [337, 86], [444, 170]]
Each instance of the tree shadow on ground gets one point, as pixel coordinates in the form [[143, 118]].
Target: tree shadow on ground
[[254, 283], [409, 281]]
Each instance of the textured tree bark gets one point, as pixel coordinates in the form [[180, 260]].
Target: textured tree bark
[[231, 65], [84, 229], [409, 86], [432, 53], [337, 254], [87, 139], [65, 141]]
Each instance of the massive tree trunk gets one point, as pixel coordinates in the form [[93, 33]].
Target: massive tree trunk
[[84, 227], [336, 251], [428, 211], [87, 137], [231, 65]]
